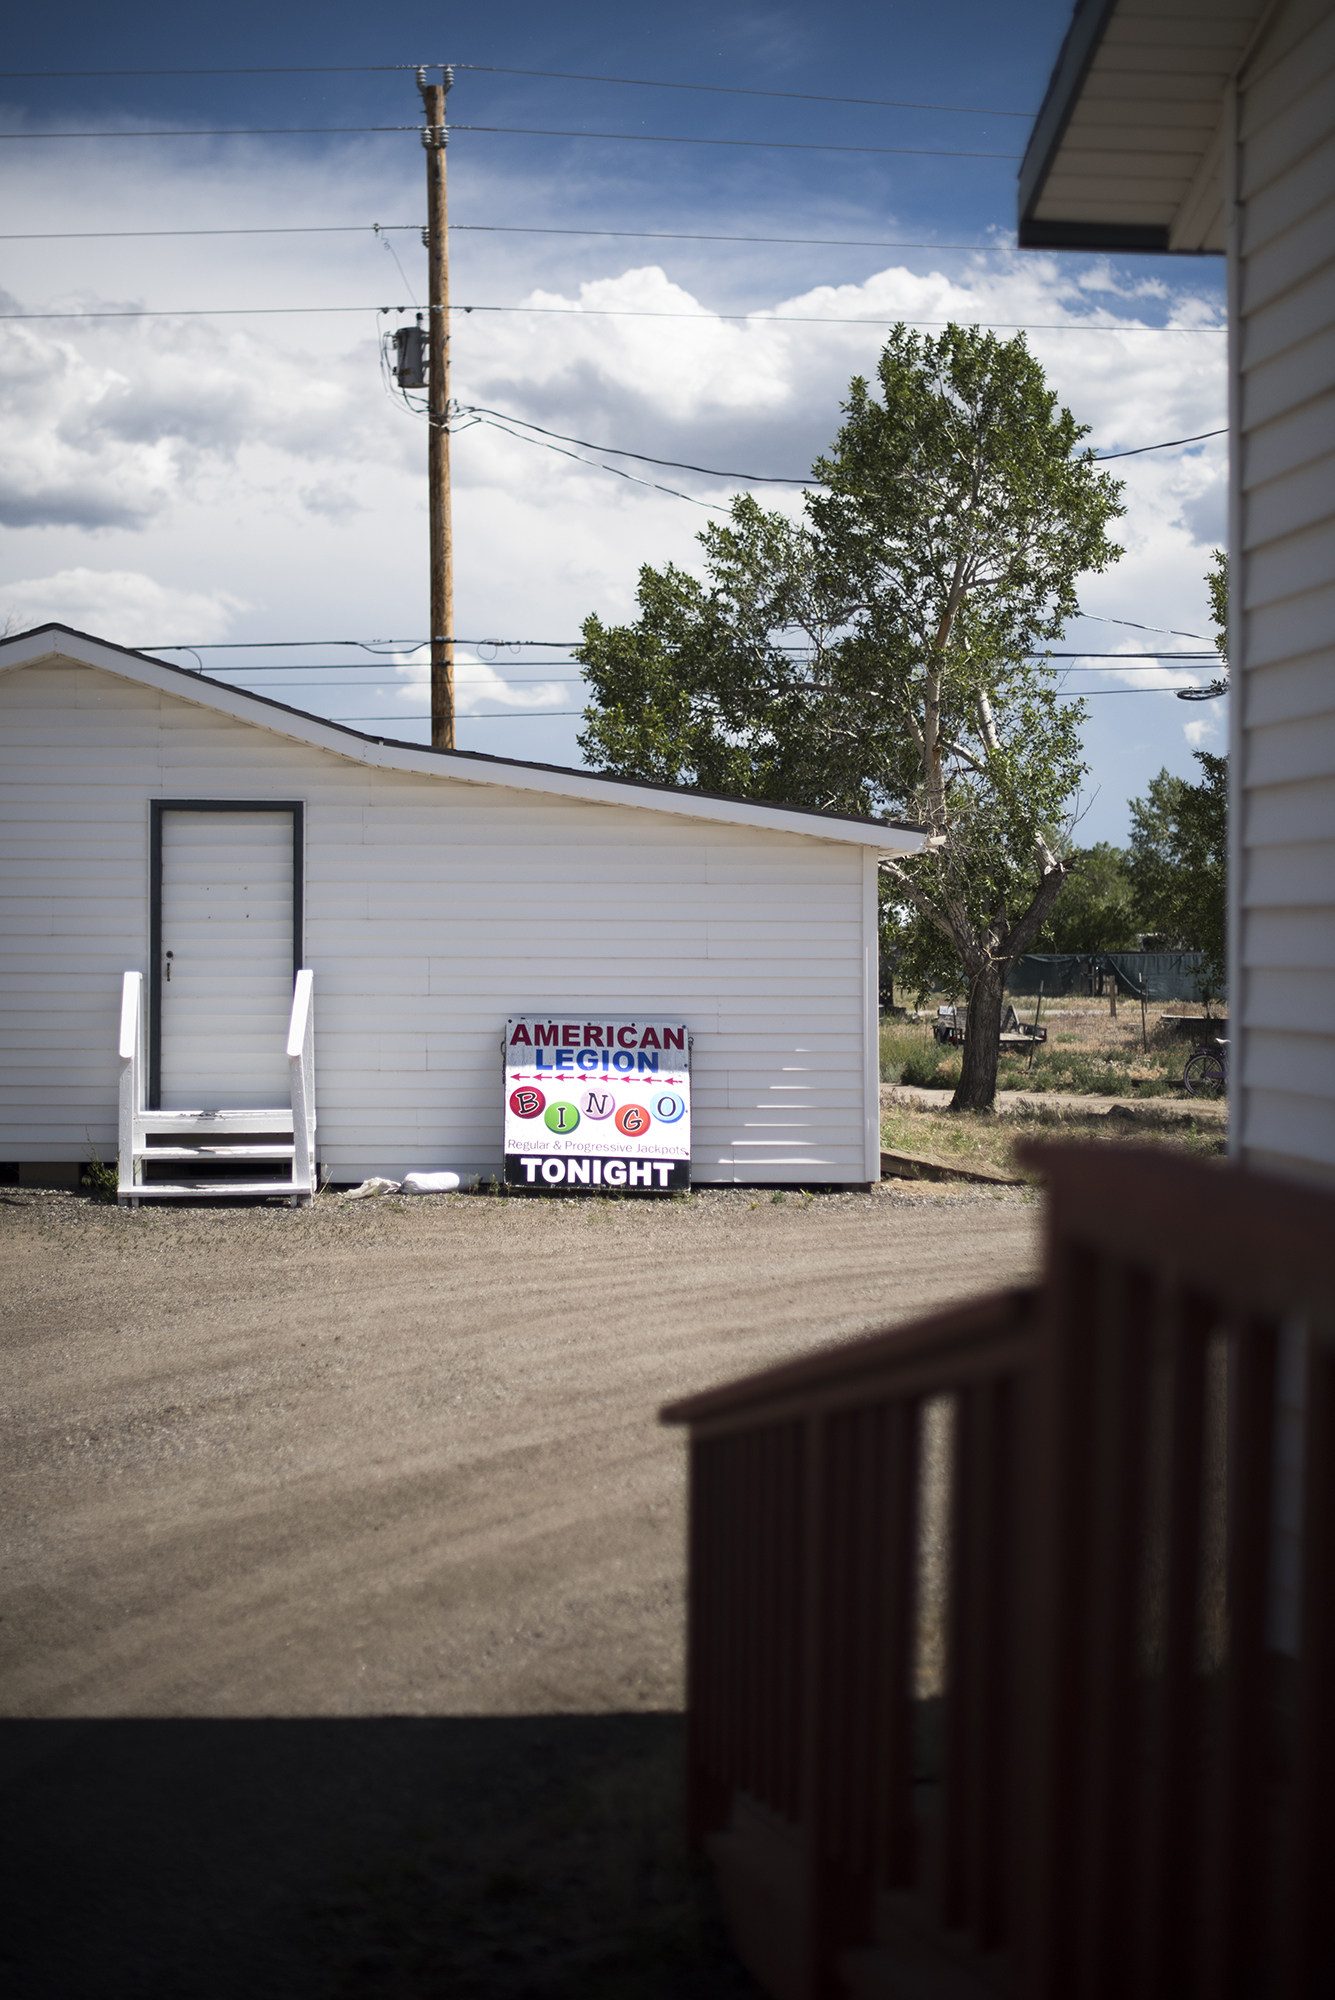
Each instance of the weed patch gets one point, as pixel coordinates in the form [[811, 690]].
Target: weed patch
[[102, 1180], [911, 1054], [985, 1140]]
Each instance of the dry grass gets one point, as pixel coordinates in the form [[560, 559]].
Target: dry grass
[[978, 1139]]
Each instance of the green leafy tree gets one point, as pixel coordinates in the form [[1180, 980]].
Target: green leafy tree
[[1097, 909], [884, 656], [1178, 864], [1216, 582]]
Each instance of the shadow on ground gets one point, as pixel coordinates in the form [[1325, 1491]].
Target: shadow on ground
[[392, 1858]]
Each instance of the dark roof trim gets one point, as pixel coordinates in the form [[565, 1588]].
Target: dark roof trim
[[1036, 235], [1078, 51], [197, 679]]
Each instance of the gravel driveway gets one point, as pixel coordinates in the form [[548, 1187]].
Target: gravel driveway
[[403, 1458], [341, 1618]]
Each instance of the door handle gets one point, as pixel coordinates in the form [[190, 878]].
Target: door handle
[[169, 968]]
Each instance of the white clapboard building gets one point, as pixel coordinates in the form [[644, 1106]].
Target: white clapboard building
[[177, 852], [1199, 126]]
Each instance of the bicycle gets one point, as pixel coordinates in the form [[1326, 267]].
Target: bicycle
[[1206, 1071]]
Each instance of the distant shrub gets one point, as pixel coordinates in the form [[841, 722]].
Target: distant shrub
[[926, 1070], [900, 1046], [1083, 1074]]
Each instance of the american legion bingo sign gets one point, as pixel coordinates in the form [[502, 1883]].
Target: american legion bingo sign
[[597, 1103]]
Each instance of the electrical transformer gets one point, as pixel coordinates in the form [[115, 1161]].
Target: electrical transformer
[[410, 351]]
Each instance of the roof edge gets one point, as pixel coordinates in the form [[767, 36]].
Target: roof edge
[[1088, 27], [904, 837]]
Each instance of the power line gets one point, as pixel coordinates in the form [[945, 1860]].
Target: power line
[[228, 132], [562, 645], [498, 421], [462, 680], [218, 312], [700, 236], [734, 90], [1187, 661], [796, 319], [555, 645], [1137, 449], [620, 472], [764, 478], [560, 674], [364, 645], [516, 132], [506, 715], [494, 69], [503, 229], [775, 145], [303, 69], [612, 312], [618, 451], [1094, 694], [568, 679], [1170, 631], [545, 714], [295, 229]]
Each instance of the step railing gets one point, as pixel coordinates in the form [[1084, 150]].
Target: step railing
[[301, 1076], [137, 1122], [1011, 1659], [134, 1083]]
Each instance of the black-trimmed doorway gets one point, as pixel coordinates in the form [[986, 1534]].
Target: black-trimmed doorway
[[225, 945]]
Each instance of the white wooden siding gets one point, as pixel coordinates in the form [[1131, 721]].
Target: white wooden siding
[[1283, 614], [433, 908]]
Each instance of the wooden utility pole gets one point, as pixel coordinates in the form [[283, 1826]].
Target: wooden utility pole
[[436, 237]]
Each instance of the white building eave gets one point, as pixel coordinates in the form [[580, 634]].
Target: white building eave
[[50, 643], [1124, 153]]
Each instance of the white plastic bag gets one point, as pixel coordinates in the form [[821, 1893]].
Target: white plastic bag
[[376, 1185]]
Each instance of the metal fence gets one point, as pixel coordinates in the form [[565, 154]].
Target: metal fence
[[1012, 1640], [1142, 975]]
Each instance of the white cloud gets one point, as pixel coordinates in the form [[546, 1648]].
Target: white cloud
[[112, 426], [478, 686], [124, 606]]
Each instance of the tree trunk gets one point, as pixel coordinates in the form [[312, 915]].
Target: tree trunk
[[978, 1075]]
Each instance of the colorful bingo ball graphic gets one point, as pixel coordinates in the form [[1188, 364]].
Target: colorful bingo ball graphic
[[527, 1102], [597, 1104], [668, 1107], [561, 1117], [632, 1119]]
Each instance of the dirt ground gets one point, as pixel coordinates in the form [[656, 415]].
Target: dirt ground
[[401, 1459], [341, 1627], [1020, 1103]]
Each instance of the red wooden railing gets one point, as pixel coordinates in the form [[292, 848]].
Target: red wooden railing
[[1012, 1633]]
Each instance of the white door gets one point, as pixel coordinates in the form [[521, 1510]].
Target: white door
[[227, 955]]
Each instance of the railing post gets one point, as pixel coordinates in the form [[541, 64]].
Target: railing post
[[301, 1071], [1309, 1930], [129, 1170]]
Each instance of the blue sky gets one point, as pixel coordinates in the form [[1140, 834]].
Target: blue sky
[[226, 477]]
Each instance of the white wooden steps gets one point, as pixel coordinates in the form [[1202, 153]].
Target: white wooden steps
[[196, 1143]]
